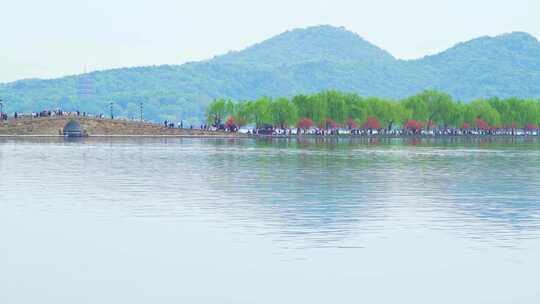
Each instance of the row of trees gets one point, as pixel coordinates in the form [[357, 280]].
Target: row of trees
[[332, 109]]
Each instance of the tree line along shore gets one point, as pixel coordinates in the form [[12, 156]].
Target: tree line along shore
[[333, 112]]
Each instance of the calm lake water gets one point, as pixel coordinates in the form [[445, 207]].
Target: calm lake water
[[269, 221]]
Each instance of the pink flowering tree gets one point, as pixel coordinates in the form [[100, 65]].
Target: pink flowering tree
[[372, 123], [413, 126]]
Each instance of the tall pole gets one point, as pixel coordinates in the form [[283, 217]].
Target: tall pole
[[141, 108], [111, 105], [2, 110]]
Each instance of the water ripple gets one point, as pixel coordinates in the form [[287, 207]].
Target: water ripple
[[307, 193]]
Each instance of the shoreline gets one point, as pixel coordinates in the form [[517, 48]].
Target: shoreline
[[244, 136], [90, 127]]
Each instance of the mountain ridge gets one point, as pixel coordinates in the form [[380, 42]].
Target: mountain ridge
[[513, 34], [217, 58], [309, 44]]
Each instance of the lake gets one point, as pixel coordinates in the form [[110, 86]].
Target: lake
[[169, 220]]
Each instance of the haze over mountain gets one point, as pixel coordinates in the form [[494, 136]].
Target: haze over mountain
[[298, 61]]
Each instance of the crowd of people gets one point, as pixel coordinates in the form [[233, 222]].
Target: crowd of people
[[46, 113], [180, 125], [269, 131]]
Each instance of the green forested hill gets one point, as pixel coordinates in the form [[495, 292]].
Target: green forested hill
[[506, 65], [299, 61], [322, 43]]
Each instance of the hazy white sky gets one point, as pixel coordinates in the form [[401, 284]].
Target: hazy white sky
[[49, 38]]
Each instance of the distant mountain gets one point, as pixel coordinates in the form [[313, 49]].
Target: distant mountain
[[506, 65], [298, 61], [315, 44]]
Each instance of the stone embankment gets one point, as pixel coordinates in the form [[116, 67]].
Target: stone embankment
[[53, 126]]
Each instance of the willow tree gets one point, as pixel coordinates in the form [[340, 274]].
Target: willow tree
[[523, 112], [217, 112], [417, 108], [442, 109], [336, 108], [357, 109], [432, 107], [456, 117], [260, 111], [507, 117], [386, 111], [529, 113], [313, 107], [283, 113], [242, 113], [481, 109], [304, 106]]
